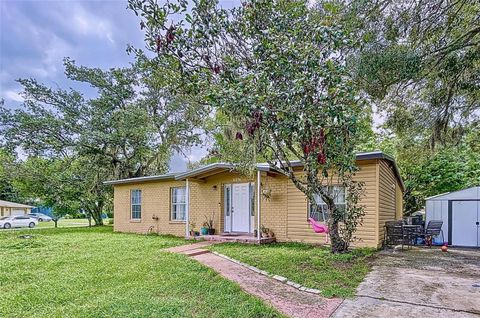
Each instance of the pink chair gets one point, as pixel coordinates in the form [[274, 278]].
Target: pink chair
[[319, 228]]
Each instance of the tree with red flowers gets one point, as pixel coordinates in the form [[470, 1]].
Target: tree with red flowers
[[276, 70]]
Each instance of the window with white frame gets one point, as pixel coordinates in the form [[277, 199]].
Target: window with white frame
[[136, 204], [178, 204], [321, 212]]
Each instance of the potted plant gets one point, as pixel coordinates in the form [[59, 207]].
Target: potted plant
[[192, 229], [265, 231], [204, 229], [209, 224]]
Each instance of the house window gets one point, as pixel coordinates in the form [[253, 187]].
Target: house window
[[252, 199], [136, 204], [178, 204], [321, 212], [228, 195]]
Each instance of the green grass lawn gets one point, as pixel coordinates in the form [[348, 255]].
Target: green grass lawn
[[93, 272], [311, 266]]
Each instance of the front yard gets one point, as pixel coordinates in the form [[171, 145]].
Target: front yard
[[93, 272], [310, 266]]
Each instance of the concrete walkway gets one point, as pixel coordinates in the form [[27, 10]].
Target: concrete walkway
[[419, 283], [286, 299]]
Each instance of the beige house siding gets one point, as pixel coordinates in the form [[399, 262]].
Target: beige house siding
[[299, 228], [155, 202], [7, 211], [206, 198], [273, 210], [285, 212], [387, 210]]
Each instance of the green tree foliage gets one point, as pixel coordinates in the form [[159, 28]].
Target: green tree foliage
[[7, 189], [129, 129], [421, 61], [447, 169], [276, 71]]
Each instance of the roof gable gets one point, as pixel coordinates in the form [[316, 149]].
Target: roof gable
[[472, 193]]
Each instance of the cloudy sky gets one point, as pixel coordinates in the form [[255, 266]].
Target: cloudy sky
[[36, 35]]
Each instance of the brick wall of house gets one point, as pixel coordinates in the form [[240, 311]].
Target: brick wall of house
[[155, 202], [273, 210]]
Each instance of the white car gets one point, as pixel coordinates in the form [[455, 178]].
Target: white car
[[40, 217], [8, 222]]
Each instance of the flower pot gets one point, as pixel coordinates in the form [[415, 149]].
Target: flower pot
[[211, 231], [204, 231]]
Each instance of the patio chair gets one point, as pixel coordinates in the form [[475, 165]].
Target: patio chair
[[434, 228], [396, 235]]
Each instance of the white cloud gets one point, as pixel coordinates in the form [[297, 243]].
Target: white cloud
[[12, 95], [86, 23]]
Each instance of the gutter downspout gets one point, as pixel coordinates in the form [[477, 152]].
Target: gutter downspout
[[258, 205], [187, 212]]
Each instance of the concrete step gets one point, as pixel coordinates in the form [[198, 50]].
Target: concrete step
[[195, 252]]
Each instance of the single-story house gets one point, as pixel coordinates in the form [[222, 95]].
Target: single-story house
[[8, 208], [460, 213], [174, 203]]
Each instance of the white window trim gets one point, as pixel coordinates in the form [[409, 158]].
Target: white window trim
[[136, 204], [172, 204], [344, 203]]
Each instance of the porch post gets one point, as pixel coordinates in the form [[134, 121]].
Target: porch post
[[187, 209], [258, 205]]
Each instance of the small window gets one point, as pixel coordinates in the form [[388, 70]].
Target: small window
[[228, 205], [321, 213], [136, 204], [178, 204], [252, 199]]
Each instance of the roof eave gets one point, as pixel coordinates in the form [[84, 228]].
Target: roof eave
[[141, 179], [196, 172]]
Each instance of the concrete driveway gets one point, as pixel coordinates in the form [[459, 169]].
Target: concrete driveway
[[419, 283]]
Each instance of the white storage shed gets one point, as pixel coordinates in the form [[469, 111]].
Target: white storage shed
[[460, 213]]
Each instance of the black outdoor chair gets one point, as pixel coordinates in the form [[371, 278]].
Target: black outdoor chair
[[396, 234], [434, 228]]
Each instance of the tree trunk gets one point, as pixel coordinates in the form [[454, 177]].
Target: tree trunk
[[97, 215], [338, 244]]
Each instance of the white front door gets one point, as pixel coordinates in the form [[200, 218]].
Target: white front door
[[465, 223], [240, 209]]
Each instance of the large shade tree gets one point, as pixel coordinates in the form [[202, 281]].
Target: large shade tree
[[130, 128], [276, 70], [420, 62]]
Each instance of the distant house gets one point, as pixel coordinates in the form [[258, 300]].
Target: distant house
[[240, 205], [8, 208]]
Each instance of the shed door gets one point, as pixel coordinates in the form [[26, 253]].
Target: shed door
[[18, 212], [465, 218]]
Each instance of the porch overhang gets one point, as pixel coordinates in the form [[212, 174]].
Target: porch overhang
[[200, 174]]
